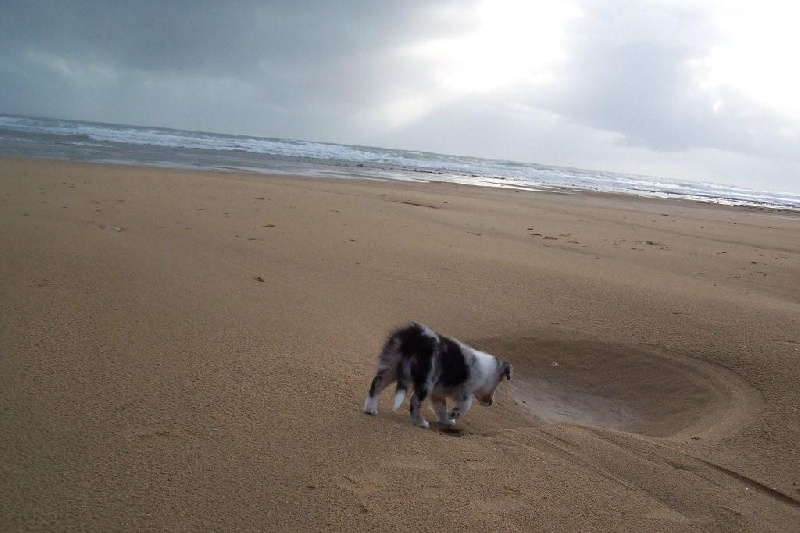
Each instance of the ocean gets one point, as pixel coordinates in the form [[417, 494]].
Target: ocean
[[164, 147]]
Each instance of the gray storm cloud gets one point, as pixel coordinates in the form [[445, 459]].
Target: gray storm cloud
[[626, 97]]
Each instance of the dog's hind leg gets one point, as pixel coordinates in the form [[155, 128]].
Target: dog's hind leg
[[439, 404], [403, 377], [383, 378]]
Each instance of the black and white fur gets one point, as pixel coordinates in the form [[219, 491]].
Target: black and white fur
[[436, 366]]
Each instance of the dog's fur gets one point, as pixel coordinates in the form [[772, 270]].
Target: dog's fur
[[436, 366]]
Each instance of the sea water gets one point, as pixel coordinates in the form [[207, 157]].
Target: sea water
[[149, 146]]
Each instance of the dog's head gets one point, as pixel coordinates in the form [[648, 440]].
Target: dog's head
[[485, 394]]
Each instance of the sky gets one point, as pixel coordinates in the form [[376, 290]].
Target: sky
[[690, 89]]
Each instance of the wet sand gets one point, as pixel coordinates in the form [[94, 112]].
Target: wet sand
[[191, 350]]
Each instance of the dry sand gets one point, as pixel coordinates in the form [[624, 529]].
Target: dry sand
[[191, 350]]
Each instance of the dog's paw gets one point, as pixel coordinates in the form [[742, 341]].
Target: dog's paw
[[452, 430], [424, 424], [370, 407]]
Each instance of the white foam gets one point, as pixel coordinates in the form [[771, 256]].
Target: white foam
[[328, 159]]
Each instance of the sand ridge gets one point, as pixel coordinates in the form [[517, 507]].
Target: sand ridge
[[637, 389], [186, 350]]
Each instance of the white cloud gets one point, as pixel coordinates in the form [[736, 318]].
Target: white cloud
[[757, 53]]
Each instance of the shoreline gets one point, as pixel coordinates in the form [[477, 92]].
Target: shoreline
[[191, 349], [377, 173]]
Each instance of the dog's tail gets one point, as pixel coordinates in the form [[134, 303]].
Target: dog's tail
[[403, 377]]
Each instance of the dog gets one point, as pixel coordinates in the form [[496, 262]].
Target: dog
[[436, 366]]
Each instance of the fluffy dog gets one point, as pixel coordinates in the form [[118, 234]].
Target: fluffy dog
[[436, 366]]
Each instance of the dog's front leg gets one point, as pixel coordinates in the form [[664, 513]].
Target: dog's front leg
[[439, 404], [416, 412], [462, 406]]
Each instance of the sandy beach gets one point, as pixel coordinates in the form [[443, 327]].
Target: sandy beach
[[191, 350]]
